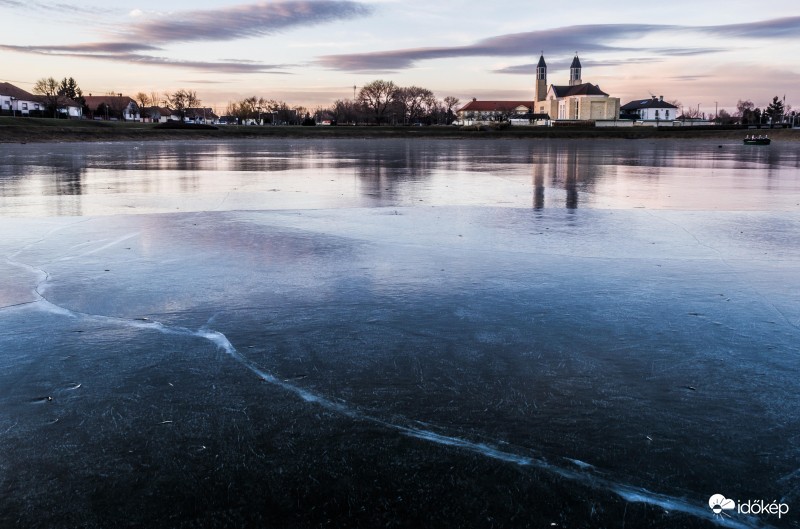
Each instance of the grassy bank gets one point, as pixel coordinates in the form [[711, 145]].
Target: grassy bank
[[26, 130]]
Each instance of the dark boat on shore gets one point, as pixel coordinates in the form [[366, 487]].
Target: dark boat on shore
[[757, 141]]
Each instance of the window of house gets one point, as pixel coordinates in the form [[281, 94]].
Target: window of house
[[666, 114], [24, 106]]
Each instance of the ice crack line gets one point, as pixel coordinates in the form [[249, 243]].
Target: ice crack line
[[582, 474]]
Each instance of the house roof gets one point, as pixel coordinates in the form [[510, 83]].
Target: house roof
[[494, 106], [164, 111], [112, 101], [8, 89], [646, 103], [585, 89]]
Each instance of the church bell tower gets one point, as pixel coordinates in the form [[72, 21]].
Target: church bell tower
[[575, 71], [541, 80]]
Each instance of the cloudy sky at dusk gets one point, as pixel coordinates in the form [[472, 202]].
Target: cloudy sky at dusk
[[313, 52]]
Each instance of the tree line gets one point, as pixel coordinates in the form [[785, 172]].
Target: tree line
[[383, 102], [379, 102]]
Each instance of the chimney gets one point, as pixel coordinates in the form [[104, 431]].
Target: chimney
[[661, 98], [474, 98], [654, 98]]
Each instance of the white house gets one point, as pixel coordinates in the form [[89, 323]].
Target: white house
[[159, 115], [14, 100], [652, 109]]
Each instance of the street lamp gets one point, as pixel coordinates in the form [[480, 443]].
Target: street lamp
[[11, 100]]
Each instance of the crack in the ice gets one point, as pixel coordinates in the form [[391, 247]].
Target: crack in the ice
[[584, 476]]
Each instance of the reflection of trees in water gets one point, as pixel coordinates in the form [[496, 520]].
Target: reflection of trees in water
[[383, 167], [50, 174], [69, 181]]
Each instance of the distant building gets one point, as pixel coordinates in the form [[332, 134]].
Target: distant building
[[113, 107], [156, 114], [517, 112], [18, 102], [15, 100], [201, 115], [577, 101], [652, 109]]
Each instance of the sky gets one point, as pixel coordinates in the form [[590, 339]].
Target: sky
[[312, 52]]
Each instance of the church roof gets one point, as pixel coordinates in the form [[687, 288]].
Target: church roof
[[576, 63], [585, 89], [541, 63], [647, 103], [494, 106]]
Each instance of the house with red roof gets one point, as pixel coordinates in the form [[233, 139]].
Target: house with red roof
[[18, 102], [517, 112]]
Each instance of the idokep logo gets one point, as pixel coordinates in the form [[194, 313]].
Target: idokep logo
[[719, 504]]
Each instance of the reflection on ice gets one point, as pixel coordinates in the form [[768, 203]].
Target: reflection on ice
[[76, 180], [509, 337]]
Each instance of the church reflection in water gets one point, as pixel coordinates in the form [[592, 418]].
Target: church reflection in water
[[564, 173]]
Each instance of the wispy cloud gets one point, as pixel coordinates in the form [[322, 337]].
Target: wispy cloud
[[51, 7], [245, 21], [530, 69], [230, 23], [786, 27], [557, 41], [87, 48], [588, 39], [87, 52]]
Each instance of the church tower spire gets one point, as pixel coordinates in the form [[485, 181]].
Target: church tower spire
[[575, 71], [541, 80]]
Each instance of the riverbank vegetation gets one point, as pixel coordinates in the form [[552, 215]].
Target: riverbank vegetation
[[23, 130]]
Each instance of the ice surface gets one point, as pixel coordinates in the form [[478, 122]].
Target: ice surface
[[449, 362]]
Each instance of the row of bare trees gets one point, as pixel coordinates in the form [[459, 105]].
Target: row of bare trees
[[383, 102], [261, 111]]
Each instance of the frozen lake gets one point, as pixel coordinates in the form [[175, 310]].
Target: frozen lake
[[405, 333]]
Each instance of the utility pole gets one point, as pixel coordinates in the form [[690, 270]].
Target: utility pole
[[354, 92], [716, 112]]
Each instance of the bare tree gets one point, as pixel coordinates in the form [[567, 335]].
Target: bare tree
[[48, 87], [142, 99], [745, 111], [742, 107], [376, 97], [450, 103], [420, 101], [181, 100]]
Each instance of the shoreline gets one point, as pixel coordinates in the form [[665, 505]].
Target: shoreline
[[40, 130]]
